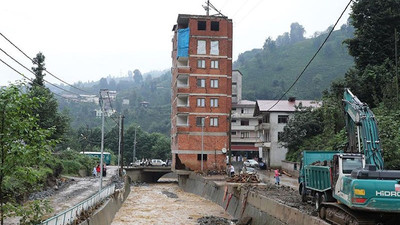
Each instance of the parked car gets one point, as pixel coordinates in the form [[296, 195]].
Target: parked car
[[249, 170], [157, 162], [251, 163], [136, 163]]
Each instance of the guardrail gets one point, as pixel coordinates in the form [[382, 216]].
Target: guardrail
[[69, 215]]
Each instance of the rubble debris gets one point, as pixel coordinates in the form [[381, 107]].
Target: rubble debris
[[286, 173], [244, 178], [245, 221], [169, 194], [213, 220]]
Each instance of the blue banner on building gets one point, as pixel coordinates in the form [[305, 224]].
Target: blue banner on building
[[183, 42]]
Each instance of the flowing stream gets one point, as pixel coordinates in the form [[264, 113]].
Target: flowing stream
[[165, 203]]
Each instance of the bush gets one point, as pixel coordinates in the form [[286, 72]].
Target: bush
[[71, 167]]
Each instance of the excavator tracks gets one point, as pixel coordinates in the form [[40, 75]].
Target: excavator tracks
[[340, 214]]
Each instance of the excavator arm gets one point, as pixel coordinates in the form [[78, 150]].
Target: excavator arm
[[362, 130]]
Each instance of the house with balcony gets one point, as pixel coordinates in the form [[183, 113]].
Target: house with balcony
[[243, 134], [272, 118]]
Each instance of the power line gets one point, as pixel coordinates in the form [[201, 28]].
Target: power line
[[26, 76], [34, 73], [316, 53], [33, 61], [248, 13]]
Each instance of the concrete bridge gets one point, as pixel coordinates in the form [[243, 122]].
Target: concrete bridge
[[147, 174]]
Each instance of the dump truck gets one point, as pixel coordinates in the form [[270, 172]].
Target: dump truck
[[351, 186]]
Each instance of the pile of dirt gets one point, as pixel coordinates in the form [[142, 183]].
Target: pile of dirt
[[285, 195]]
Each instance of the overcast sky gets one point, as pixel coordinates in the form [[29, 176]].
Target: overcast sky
[[84, 40]]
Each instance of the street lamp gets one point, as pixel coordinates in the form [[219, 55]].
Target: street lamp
[[134, 147]]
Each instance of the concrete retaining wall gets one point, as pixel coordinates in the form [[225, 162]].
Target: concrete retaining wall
[[105, 214], [291, 167], [262, 209]]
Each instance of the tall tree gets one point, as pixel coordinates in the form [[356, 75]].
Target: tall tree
[[373, 50], [374, 23], [137, 76], [47, 112], [296, 32], [38, 70]]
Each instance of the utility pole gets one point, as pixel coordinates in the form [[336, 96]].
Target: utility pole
[[134, 147], [230, 137], [122, 144], [102, 137], [119, 143], [208, 7], [396, 59]]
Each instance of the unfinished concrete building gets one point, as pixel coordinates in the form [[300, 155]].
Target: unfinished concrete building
[[201, 91]]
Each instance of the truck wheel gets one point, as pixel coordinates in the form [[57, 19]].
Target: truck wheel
[[322, 212], [303, 194]]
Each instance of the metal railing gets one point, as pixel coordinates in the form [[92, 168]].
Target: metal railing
[[71, 214]]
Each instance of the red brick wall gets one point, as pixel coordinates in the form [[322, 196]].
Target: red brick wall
[[215, 138]]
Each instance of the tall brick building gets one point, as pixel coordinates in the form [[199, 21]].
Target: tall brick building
[[201, 91]]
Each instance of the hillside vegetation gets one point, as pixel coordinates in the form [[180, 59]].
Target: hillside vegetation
[[268, 72]]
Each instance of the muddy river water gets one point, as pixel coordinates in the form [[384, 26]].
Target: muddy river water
[[165, 203]]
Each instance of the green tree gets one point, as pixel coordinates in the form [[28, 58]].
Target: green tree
[[24, 147], [47, 112], [38, 70], [374, 23]]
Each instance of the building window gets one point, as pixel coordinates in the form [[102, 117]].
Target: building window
[[201, 25], [215, 25], [214, 48], [214, 122], [244, 134], [283, 118], [204, 157], [200, 121], [201, 102], [244, 122], [233, 133], [233, 121], [214, 64], [280, 135], [214, 83], [201, 83], [214, 102], [201, 47], [201, 63]]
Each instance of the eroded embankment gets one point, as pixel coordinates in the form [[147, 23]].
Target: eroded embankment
[[242, 201]]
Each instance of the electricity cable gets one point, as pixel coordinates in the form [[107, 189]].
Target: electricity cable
[[34, 72], [33, 61], [316, 53], [26, 76]]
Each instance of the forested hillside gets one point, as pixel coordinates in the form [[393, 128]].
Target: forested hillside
[[269, 71], [136, 89]]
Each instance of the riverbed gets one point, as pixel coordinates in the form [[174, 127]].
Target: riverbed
[[165, 203]]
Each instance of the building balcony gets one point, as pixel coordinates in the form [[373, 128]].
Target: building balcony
[[263, 126], [243, 115], [263, 144], [241, 128], [244, 139]]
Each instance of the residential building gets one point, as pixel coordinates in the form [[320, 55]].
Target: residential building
[[243, 134], [201, 91], [272, 118]]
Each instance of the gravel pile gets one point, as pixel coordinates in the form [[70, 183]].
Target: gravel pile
[[213, 220], [60, 184]]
